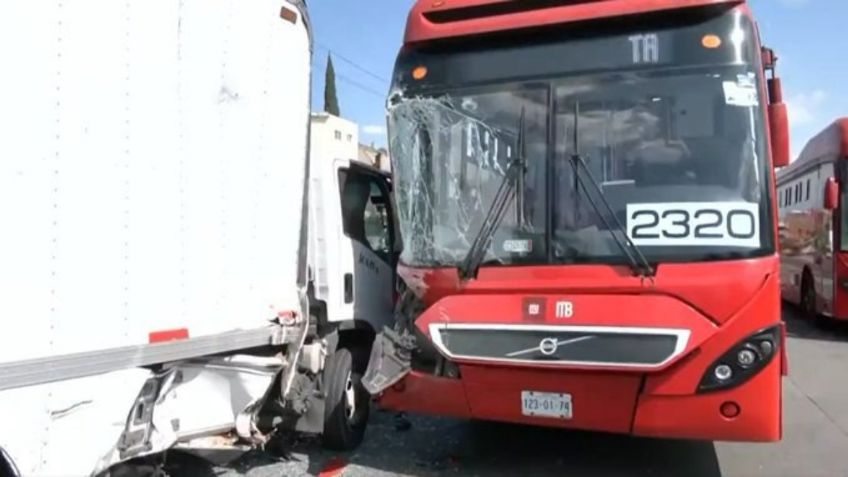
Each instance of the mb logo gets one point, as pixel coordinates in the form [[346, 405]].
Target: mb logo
[[564, 309]]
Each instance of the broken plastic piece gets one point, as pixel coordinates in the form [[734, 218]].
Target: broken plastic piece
[[390, 361]]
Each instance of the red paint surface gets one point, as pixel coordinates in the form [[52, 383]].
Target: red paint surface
[[760, 312], [168, 335], [601, 401], [716, 289], [831, 142], [420, 28], [334, 468], [840, 293], [699, 416], [426, 394]]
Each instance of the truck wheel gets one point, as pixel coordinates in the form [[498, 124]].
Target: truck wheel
[[347, 403]]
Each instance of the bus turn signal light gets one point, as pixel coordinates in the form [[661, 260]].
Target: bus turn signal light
[[711, 41], [419, 73]]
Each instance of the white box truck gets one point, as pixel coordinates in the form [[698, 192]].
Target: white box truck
[[172, 267]]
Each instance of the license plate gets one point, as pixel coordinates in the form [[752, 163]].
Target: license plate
[[546, 404]]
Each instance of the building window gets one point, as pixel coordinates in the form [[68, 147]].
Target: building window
[[808, 190], [350, 138], [787, 195], [338, 135], [797, 193]]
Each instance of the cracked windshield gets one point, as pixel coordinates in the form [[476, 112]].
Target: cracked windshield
[[678, 153]]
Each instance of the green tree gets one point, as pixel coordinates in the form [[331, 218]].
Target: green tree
[[331, 101]]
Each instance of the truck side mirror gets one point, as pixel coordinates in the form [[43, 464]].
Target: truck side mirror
[[831, 194], [778, 116]]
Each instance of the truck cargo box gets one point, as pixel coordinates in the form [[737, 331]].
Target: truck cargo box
[[152, 180]]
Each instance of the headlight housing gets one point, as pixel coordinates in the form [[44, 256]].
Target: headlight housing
[[742, 362]]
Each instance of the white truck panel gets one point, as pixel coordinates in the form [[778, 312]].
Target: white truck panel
[[334, 254], [66, 428], [152, 166], [152, 169]]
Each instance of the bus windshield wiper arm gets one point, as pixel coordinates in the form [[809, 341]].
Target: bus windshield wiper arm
[[477, 252], [638, 263]]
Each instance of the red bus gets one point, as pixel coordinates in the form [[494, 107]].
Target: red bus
[[813, 225], [585, 192]]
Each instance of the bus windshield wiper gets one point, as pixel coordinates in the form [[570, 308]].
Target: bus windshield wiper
[[482, 241], [638, 263]]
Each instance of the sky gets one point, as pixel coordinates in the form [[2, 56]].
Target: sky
[[364, 36]]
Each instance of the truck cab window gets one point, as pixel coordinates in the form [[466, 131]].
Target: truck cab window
[[377, 221], [365, 216]]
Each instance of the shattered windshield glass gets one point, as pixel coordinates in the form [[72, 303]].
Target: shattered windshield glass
[[456, 152]]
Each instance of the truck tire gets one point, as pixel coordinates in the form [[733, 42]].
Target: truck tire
[[347, 402]]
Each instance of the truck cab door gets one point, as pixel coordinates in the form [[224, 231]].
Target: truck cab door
[[369, 242]]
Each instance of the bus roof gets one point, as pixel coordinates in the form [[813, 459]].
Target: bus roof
[[826, 146], [436, 19]]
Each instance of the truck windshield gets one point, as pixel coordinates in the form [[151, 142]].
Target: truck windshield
[[677, 146]]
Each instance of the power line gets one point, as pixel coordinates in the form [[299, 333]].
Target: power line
[[354, 83], [353, 64], [359, 85]]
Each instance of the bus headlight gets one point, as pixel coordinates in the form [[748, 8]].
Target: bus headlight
[[723, 372], [741, 362], [746, 358]]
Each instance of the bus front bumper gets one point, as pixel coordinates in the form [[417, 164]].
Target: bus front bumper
[[606, 402]]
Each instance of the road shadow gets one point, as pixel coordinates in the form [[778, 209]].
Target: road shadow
[[821, 329], [438, 446], [173, 463]]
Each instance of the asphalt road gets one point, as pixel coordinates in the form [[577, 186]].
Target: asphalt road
[[815, 438]]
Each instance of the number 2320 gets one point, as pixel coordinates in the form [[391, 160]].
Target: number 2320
[[693, 226]]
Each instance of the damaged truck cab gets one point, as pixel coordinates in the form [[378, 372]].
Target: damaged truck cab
[[585, 194]]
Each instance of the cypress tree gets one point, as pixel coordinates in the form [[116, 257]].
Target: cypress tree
[[331, 101]]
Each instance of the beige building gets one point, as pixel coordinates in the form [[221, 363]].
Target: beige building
[[332, 137], [378, 158]]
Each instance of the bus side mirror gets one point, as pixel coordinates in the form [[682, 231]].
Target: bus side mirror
[[778, 116], [831, 194]]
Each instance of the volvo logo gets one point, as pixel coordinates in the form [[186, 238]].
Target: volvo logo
[[548, 346]]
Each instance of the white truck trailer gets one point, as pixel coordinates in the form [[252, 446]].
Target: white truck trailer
[[171, 265]]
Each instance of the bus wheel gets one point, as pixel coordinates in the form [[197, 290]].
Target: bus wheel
[[808, 297], [347, 403]]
